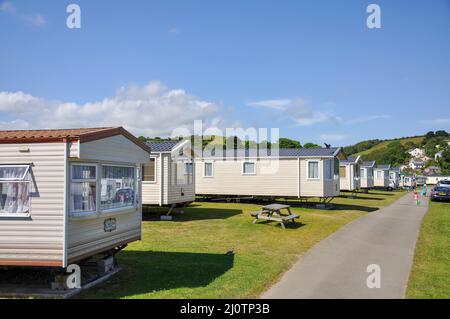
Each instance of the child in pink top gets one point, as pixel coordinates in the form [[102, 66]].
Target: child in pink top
[[416, 198]]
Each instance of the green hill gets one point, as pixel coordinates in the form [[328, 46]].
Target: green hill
[[393, 151]]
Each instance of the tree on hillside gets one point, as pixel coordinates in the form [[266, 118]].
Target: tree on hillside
[[394, 153], [311, 145], [284, 142], [441, 133], [429, 135]]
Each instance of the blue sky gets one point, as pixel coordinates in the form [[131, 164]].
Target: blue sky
[[311, 68]]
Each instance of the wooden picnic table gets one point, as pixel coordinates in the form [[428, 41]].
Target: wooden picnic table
[[274, 212]]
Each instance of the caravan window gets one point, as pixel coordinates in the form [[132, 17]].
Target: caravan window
[[313, 170], [188, 168], [379, 174], [117, 187], [248, 168], [208, 169], [14, 190], [363, 173], [342, 172], [83, 188], [328, 169], [149, 171]]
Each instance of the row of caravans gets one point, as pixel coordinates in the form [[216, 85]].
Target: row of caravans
[[66, 195], [356, 174]]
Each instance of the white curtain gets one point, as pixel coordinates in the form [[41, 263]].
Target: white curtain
[[17, 193]]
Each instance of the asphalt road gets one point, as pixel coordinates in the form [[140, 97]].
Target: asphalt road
[[337, 267]]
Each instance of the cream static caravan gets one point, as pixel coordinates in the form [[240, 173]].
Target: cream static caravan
[[394, 177], [291, 173], [349, 173], [366, 175], [67, 195], [168, 177], [381, 176]]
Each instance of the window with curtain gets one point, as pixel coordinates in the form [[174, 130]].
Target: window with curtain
[[149, 171], [249, 168], [328, 169], [117, 187], [83, 190], [342, 172], [15, 186], [379, 174], [208, 169], [313, 170]]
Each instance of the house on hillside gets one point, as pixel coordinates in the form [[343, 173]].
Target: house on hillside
[[169, 175], [417, 152], [366, 174], [287, 173], [416, 164], [349, 173], [68, 194]]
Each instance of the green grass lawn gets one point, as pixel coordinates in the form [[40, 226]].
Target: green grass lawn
[[186, 257], [430, 277]]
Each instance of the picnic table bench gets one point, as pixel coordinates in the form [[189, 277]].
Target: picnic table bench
[[274, 212]]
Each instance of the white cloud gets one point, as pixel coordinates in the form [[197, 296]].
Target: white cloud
[[150, 110], [273, 104], [332, 137], [369, 118], [440, 121], [35, 19], [299, 110]]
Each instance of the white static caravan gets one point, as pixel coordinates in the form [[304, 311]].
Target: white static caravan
[[67, 195], [381, 176], [366, 175], [349, 173], [394, 177], [434, 179], [168, 177], [407, 181], [292, 173]]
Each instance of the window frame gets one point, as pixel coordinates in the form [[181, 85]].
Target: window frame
[[22, 179], [155, 172], [191, 173], [318, 178], [212, 169], [72, 213], [98, 211], [248, 162], [16, 179], [135, 189], [344, 169]]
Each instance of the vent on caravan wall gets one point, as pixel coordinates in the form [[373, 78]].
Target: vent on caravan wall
[[24, 149]]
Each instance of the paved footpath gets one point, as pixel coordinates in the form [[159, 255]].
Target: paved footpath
[[337, 266]]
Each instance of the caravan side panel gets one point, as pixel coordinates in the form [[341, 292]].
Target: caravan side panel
[[311, 187], [37, 240], [272, 178]]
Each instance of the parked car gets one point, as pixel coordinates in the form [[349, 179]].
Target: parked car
[[440, 193], [444, 183]]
